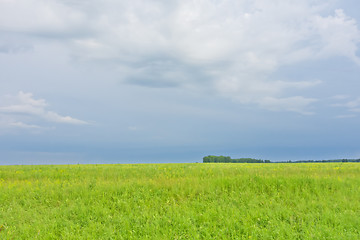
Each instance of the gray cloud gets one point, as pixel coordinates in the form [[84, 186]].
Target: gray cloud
[[229, 47], [13, 43]]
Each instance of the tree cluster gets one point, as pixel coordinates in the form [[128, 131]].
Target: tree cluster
[[324, 161], [226, 159]]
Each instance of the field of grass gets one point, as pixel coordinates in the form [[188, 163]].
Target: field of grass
[[181, 201]]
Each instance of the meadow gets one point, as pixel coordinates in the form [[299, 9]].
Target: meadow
[[181, 201]]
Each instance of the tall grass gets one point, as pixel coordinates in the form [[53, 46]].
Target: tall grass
[[181, 201]]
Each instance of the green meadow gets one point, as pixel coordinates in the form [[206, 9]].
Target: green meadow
[[181, 201]]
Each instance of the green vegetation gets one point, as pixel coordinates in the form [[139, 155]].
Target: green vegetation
[[181, 201], [324, 161], [223, 159]]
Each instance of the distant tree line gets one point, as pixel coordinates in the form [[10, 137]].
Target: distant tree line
[[320, 161], [226, 159]]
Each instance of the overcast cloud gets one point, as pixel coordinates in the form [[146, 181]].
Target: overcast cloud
[[133, 63]]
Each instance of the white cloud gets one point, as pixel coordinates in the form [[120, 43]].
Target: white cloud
[[133, 128], [294, 104], [346, 116], [335, 31], [24, 125], [54, 117], [228, 47], [39, 17], [266, 93], [340, 97], [355, 109], [24, 107], [351, 106]]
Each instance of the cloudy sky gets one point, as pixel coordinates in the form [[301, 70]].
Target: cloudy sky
[[113, 81]]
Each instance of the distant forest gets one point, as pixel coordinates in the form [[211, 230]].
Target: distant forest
[[226, 159], [320, 161]]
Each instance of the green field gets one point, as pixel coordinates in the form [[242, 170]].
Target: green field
[[181, 201]]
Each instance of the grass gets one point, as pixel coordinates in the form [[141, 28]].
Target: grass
[[181, 201]]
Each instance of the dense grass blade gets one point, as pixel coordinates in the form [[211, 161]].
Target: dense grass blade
[[181, 201]]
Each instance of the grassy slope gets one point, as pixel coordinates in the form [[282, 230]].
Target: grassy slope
[[181, 201]]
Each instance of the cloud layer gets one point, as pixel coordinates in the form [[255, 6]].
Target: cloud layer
[[185, 77], [228, 48]]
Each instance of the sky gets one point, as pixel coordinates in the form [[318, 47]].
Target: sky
[[152, 81]]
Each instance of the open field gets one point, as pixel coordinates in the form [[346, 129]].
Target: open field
[[181, 201]]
